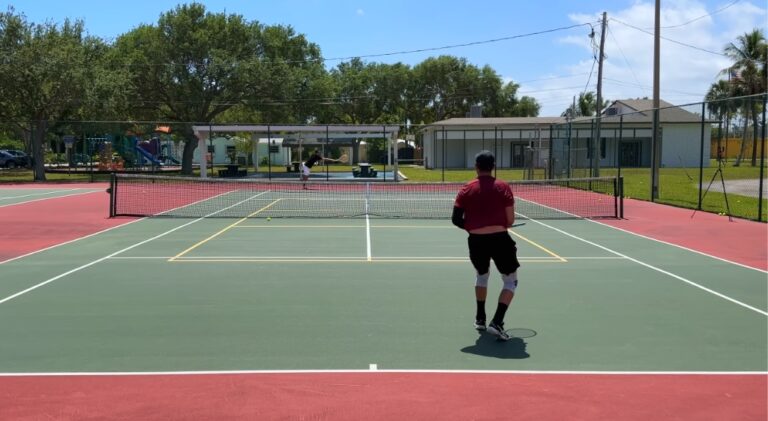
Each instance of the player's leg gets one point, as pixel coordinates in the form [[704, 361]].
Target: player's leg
[[505, 258], [480, 257], [304, 174]]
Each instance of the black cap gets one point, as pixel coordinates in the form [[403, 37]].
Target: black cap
[[484, 161]]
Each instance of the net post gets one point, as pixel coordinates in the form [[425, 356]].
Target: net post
[[620, 193], [112, 191], [762, 166], [269, 151], [701, 154]]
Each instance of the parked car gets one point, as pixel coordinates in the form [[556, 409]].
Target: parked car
[[20, 159], [7, 160]]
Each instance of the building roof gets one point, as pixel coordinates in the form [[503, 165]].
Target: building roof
[[642, 112], [499, 121]]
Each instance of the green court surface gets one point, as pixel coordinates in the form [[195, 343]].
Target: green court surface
[[353, 294]]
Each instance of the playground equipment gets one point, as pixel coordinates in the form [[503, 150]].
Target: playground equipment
[[108, 160]]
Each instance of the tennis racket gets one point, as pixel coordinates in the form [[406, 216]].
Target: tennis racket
[[343, 159]]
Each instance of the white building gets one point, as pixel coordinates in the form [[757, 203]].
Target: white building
[[552, 142]]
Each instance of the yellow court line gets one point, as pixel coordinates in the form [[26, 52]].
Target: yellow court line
[[546, 250], [198, 244]]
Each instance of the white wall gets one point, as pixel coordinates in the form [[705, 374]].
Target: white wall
[[681, 145]]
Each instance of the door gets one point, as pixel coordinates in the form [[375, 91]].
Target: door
[[629, 154], [518, 155]]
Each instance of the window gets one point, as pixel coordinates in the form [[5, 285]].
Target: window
[[602, 147]]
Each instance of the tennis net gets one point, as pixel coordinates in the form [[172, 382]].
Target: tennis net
[[164, 196]]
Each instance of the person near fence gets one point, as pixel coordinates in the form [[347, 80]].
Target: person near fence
[[485, 208], [306, 166]]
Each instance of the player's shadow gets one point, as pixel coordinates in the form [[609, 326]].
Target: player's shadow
[[488, 346]]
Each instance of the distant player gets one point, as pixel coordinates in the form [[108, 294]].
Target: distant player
[[485, 208], [306, 166]]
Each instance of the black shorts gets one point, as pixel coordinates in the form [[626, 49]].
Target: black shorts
[[498, 246]]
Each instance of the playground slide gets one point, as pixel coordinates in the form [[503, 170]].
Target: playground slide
[[148, 156]]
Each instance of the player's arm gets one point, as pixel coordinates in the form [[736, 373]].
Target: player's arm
[[326, 159], [458, 217], [510, 209], [510, 215]]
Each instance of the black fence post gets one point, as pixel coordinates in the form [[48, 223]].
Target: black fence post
[[762, 166], [701, 155]]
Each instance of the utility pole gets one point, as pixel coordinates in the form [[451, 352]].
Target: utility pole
[[599, 104], [656, 135]]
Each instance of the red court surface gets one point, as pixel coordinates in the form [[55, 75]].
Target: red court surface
[[36, 225], [737, 240], [386, 396], [382, 395]]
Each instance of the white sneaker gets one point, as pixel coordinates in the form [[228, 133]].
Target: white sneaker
[[497, 330]]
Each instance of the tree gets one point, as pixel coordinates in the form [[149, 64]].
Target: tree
[[45, 76], [720, 102], [585, 106], [194, 65], [446, 87], [503, 100], [748, 73]]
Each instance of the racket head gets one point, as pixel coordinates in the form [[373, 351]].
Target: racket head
[[521, 332], [344, 158]]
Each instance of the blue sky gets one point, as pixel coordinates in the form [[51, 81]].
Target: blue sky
[[551, 67]]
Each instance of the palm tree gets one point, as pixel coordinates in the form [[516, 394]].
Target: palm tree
[[748, 55], [720, 102], [585, 106]]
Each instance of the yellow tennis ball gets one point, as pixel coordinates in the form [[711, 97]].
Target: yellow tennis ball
[[269, 218]]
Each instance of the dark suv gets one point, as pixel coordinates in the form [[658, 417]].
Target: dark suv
[[12, 158]]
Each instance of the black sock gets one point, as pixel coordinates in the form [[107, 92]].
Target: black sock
[[501, 310], [480, 314]]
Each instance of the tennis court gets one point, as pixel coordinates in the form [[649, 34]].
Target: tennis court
[[252, 294]]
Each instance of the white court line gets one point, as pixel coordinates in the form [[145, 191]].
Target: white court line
[[680, 247], [654, 239], [678, 277], [368, 237], [378, 370], [50, 198], [37, 194], [404, 258], [79, 268], [69, 242], [99, 232]]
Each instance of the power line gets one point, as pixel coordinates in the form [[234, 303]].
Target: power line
[[670, 40], [701, 17], [629, 66], [589, 79], [552, 78], [644, 87], [393, 53], [468, 44]]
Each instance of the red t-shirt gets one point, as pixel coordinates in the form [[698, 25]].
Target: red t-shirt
[[485, 201]]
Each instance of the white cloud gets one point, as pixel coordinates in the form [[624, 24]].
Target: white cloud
[[686, 73]]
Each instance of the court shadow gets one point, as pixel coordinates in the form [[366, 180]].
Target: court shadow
[[487, 346]]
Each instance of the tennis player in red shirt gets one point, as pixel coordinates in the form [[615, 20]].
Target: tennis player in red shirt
[[485, 208]]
